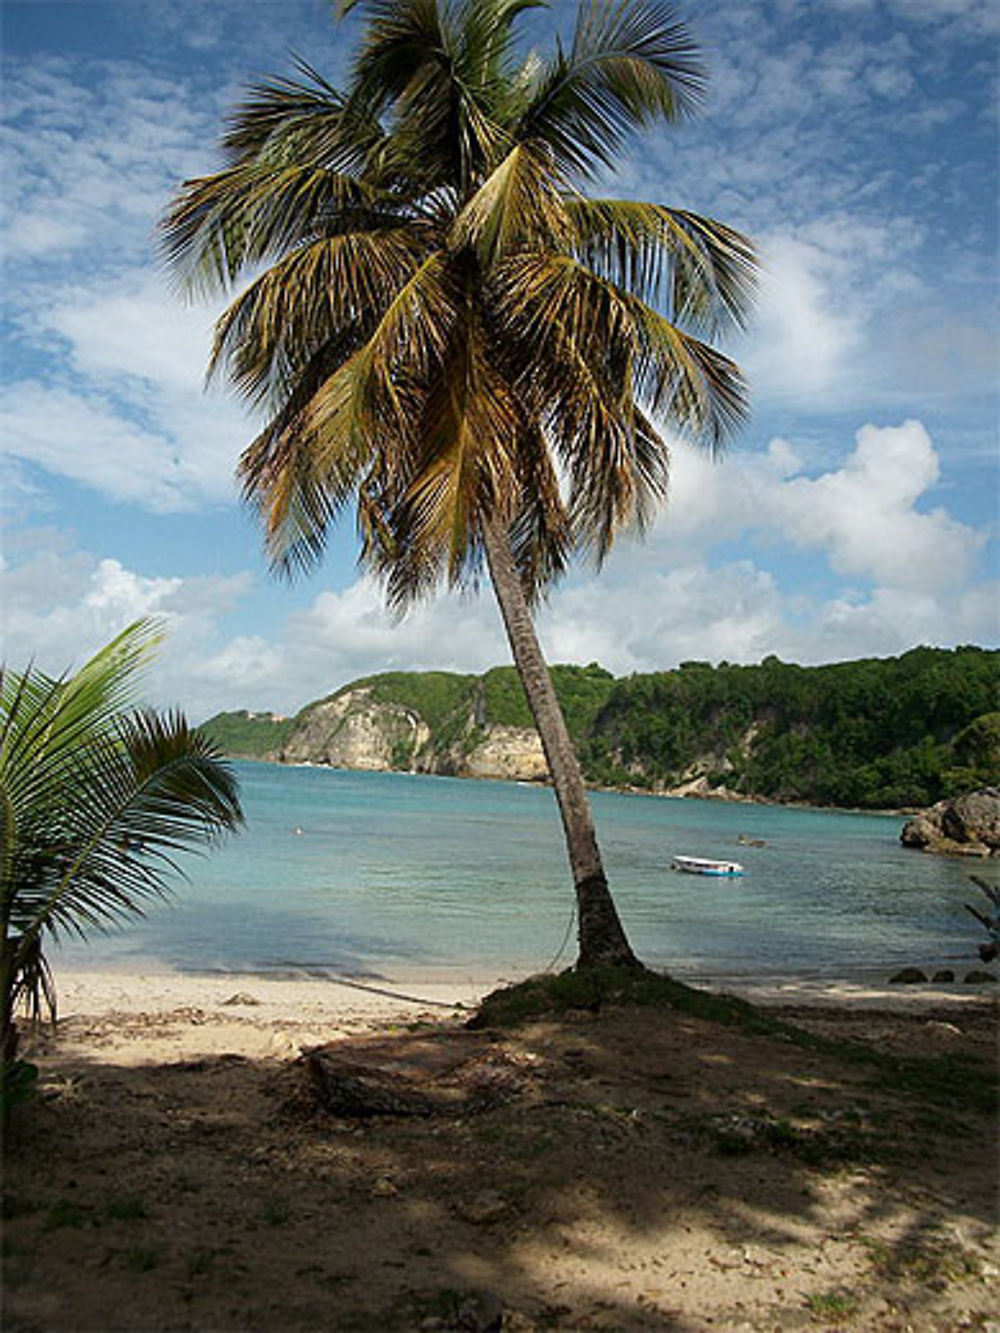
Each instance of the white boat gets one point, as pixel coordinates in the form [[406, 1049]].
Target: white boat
[[701, 865]]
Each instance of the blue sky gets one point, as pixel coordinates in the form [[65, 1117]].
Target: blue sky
[[856, 514]]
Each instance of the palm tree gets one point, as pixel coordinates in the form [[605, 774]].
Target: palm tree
[[443, 331], [95, 798]]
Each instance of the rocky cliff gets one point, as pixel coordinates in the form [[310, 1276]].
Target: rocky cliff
[[353, 730], [357, 730]]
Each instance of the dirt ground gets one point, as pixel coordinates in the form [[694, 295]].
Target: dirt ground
[[630, 1169]]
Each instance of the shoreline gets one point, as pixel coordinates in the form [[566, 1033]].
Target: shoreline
[[681, 792], [303, 998], [152, 1016]]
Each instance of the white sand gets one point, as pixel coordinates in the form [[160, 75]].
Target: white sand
[[305, 999]]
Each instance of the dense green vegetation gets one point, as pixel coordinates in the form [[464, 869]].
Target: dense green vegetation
[[582, 691], [875, 733], [248, 735], [872, 733]]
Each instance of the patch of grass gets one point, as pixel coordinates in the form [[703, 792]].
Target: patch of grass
[[276, 1213], [65, 1213], [959, 1080], [15, 1205], [929, 1261], [735, 1135], [964, 1081], [832, 1304], [491, 1134], [140, 1258], [593, 988], [125, 1208], [201, 1262], [445, 1305]]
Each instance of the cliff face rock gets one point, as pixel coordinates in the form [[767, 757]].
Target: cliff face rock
[[967, 825], [353, 731], [508, 752]]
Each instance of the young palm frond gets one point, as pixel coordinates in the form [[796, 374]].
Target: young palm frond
[[630, 63], [98, 798]]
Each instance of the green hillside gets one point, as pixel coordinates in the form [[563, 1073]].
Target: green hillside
[[874, 733], [248, 735], [883, 732]]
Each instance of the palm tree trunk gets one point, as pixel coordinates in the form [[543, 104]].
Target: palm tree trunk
[[600, 934]]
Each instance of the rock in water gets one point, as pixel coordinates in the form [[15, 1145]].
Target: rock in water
[[967, 825], [907, 976]]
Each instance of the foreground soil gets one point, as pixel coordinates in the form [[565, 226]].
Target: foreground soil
[[631, 1169]]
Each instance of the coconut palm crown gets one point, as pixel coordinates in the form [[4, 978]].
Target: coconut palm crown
[[441, 329]]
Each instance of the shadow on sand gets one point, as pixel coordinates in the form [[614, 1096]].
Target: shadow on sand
[[634, 1169]]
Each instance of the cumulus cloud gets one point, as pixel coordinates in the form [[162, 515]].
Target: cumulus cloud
[[901, 574], [60, 604], [102, 442], [864, 516]]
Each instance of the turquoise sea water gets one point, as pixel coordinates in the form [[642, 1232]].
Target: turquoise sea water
[[394, 875]]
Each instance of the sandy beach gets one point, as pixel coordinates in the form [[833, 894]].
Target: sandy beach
[[627, 1168], [261, 1016]]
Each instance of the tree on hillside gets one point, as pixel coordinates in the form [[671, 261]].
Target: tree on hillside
[[97, 796], [443, 331]]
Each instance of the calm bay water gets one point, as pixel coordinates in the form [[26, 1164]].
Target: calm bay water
[[394, 875]]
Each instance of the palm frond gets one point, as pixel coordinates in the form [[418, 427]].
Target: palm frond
[[518, 206], [220, 226], [462, 472], [44, 722], [142, 789], [95, 800], [304, 467], [272, 331], [551, 303], [631, 62], [283, 121], [435, 67], [696, 388], [541, 531], [703, 271]]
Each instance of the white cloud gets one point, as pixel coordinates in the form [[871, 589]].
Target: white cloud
[[59, 605], [135, 329], [802, 343], [99, 441], [350, 633], [863, 516], [885, 574]]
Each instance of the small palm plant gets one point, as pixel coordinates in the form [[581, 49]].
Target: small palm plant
[[96, 797]]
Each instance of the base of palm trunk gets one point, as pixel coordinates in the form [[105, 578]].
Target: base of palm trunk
[[600, 935]]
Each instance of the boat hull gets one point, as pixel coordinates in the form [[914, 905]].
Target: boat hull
[[699, 865]]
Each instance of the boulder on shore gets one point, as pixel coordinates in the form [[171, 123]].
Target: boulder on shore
[[967, 825]]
